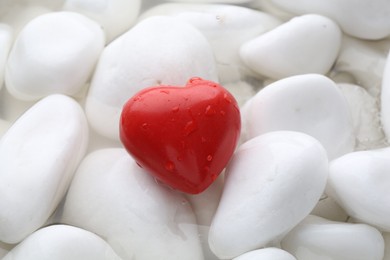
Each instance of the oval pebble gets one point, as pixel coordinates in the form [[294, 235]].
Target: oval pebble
[[140, 58], [61, 242], [226, 27], [115, 16], [46, 55], [359, 18], [114, 198], [38, 157], [270, 253], [309, 103], [360, 182], [6, 35], [319, 238], [290, 48], [272, 182]]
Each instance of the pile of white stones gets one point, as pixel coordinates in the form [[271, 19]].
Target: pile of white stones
[[310, 179]]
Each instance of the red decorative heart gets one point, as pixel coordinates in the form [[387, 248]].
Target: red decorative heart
[[182, 136]]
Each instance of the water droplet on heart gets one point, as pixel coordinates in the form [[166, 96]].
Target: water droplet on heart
[[170, 166], [209, 111], [227, 98], [193, 79], [214, 176], [209, 158], [145, 126], [175, 109], [189, 128], [165, 91], [137, 98], [222, 112], [203, 139], [206, 169], [139, 165], [179, 158]]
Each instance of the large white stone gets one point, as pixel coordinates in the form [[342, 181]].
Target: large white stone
[[158, 50], [38, 156], [305, 44], [115, 16], [54, 53], [140, 218], [226, 27], [270, 253], [272, 182], [360, 18], [360, 182], [318, 238], [308, 103], [6, 39], [61, 242]]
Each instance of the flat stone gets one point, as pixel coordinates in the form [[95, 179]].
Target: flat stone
[[359, 182], [304, 44], [272, 182], [359, 18], [62, 242], [114, 198], [115, 16], [157, 51], [310, 103], [38, 157], [319, 238], [46, 56]]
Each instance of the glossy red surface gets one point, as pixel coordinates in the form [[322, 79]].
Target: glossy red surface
[[184, 136]]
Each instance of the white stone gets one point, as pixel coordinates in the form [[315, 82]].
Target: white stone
[[6, 39], [309, 103], [385, 99], [305, 44], [365, 61], [272, 182], [270, 253], [360, 18], [38, 156], [62, 242], [114, 198], [365, 117], [321, 239], [115, 16], [360, 183], [158, 50], [226, 27], [54, 53]]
